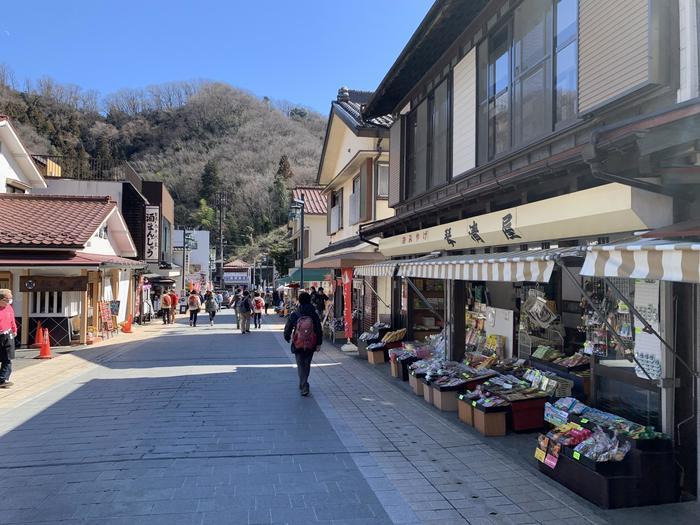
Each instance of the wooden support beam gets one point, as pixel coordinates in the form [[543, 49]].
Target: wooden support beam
[[26, 297]]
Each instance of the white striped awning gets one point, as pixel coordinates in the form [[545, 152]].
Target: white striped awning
[[527, 266], [645, 259], [383, 269]]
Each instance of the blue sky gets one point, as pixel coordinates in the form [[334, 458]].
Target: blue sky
[[298, 50]]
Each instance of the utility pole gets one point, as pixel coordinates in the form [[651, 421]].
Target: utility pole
[[184, 256], [301, 265], [223, 197]]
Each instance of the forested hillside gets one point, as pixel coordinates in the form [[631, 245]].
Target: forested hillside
[[201, 138]]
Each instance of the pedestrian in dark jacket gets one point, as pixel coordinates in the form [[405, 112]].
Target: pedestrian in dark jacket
[[303, 356]]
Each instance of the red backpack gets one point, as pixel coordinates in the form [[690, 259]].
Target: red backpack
[[259, 303], [304, 334]]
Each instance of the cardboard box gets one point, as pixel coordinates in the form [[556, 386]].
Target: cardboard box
[[427, 393], [416, 385], [445, 401], [395, 372], [375, 357], [490, 423], [465, 411]]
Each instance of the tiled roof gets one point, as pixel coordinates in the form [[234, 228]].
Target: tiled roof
[[51, 221], [236, 263], [353, 109], [314, 202]]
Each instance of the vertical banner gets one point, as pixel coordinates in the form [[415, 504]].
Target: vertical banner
[[347, 299], [152, 234]]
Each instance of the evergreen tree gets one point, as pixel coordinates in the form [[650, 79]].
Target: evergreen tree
[[210, 182], [279, 193], [204, 216], [284, 169]]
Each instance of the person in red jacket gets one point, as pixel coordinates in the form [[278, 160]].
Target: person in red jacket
[[8, 332]]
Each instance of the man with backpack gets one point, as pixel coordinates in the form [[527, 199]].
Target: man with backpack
[[245, 309], [303, 330]]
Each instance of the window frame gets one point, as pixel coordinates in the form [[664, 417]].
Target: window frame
[[6, 276], [377, 192], [409, 149], [485, 138]]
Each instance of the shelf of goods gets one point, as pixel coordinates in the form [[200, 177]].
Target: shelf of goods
[[606, 459]]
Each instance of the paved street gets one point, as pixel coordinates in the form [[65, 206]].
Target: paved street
[[204, 426]]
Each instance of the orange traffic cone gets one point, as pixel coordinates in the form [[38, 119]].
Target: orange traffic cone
[[126, 328], [39, 336], [45, 352]]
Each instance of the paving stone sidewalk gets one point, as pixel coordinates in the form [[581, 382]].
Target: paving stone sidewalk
[[201, 425]]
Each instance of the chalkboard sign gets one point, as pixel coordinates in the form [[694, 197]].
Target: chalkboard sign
[[114, 307], [106, 315]]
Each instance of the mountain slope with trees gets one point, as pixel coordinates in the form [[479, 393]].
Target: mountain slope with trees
[[203, 139]]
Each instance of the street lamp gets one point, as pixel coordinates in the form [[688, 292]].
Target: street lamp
[[298, 204]]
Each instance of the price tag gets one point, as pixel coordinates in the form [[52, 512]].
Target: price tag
[[577, 455], [584, 420], [461, 397], [473, 403], [540, 455]]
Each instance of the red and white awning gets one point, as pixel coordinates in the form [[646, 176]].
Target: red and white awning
[[645, 259]]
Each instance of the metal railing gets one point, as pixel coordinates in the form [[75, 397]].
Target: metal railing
[[88, 168]]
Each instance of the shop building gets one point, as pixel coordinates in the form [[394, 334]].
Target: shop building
[[353, 172], [532, 144], [237, 274], [65, 259]]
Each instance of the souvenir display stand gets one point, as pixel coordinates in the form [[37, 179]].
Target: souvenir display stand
[[607, 459]]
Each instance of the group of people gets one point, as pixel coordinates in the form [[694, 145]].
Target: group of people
[[169, 301], [168, 304], [247, 307]]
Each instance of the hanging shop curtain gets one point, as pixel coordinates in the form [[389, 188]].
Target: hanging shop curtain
[[645, 259], [527, 266]]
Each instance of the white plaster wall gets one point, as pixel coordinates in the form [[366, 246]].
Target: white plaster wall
[[9, 169], [84, 188]]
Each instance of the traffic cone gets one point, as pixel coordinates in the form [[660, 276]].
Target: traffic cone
[[126, 328], [45, 352], [38, 336]]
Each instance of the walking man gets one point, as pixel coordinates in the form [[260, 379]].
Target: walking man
[[320, 301], [165, 303], [8, 332], [245, 309], [236, 305], [303, 330]]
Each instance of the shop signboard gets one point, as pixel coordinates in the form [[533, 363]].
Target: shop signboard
[[236, 277], [53, 283], [580, 214], [347, 300], [152, 233]]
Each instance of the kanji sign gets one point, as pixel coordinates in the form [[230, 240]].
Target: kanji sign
[[152, 233], [508, 229]]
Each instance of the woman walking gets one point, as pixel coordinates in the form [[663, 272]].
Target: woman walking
[[194, 303], [258, 309], [210, 306]]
